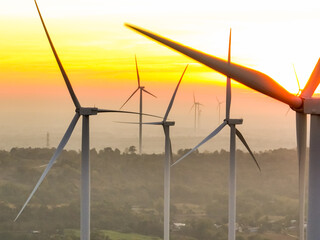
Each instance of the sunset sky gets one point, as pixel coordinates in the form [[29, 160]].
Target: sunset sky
[[97, 52]]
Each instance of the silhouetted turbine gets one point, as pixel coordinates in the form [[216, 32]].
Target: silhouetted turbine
[[219, 107], [196, 106]]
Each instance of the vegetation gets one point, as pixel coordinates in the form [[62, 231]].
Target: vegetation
[[127, 195]]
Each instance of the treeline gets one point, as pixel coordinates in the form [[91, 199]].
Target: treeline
[[127, 193]]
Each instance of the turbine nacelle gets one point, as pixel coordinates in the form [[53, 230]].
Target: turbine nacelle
[[168, 123], [311, 106], [233, 121], [86, 111]]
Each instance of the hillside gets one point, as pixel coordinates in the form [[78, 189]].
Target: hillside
[[127, 194]]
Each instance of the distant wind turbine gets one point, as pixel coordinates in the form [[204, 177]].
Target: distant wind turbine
[[196, 106], [219, 107], [142, 89], [85, 112], [48, 140], [303, 104]]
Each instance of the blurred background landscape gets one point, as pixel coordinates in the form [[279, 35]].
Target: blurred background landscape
[[127, 195]]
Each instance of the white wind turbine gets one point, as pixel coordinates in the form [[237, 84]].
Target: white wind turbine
[[142, 89], [85, 112], [303, 104], [168, 160], [233, 133]]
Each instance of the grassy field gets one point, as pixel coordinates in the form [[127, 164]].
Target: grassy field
[[127, 236], [114, 235]]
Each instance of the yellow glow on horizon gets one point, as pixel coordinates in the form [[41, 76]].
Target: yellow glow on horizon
[[96, 50]]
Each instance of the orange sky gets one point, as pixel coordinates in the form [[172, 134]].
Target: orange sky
[[97, 52]]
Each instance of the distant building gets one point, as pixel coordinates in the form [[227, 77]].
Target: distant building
[[178, 226]]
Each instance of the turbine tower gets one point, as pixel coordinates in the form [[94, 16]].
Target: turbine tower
[[302, 104], [233, 133], [141, 89], [168, 161], [85, 112], [48, 140]]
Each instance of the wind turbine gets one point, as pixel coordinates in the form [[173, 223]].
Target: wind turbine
[[85, 112], [233, 133], [168, 160], [142, 89], [303, 104]]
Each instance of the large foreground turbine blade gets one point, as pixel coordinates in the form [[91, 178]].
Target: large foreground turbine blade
[[312, 83], [228, 90], [240, 136], [301, 125], [59, 149], [211, 135], [173, 96], [129, 97], [64, 74], [149, 93], [249, 77]]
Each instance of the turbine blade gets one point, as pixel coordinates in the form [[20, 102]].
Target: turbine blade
[[296, 77], [240, 136], [194, 99], [57, 153], [146, 123], [64, 74], [312, 83], [211, 135], [149, 93], [173, 96], [228, 90], [249, 77], [129, 98], [138, 77], [301, 131], [129, 112]]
